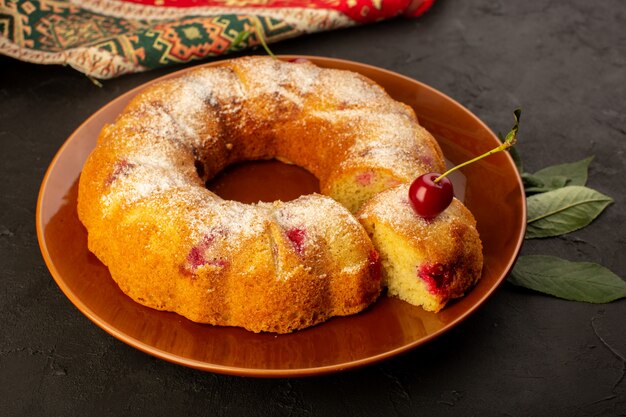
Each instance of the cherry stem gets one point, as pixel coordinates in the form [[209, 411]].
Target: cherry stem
[[502, 147], [509, 141], [259, 30]]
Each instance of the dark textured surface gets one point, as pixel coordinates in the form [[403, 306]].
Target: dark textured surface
[[521, 354]]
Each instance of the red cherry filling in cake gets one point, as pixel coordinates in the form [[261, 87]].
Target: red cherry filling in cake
[[437, 277], [297, 236]]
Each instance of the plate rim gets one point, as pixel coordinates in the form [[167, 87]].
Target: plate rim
[[258, 372]]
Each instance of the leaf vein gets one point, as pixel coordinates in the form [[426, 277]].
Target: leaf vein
[[564, 208]]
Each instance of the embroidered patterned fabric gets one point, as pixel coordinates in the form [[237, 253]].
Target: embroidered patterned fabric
[[108, 38]]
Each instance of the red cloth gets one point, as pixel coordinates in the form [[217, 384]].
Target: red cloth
[[107, 38]]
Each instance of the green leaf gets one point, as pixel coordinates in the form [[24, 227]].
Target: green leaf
[[575, 172], [577, 281], [534, 184], [530, 180], [557, 176], [563, 210]]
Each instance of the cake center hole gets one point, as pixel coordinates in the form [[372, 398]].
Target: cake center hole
[[254, 181]]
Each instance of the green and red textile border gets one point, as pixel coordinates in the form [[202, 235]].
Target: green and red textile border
[[108, 38]]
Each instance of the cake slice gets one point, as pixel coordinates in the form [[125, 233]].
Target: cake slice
[[426, 262]]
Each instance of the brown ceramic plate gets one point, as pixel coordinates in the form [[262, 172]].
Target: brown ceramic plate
[[493, 192]]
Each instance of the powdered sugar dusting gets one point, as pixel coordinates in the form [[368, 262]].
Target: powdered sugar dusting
[[387, 139], [236, 222], [171, 125], [392, 207], [322, 222], [303, 76], [349, 88], [318, 214], [219, 85], [161, 137], [142, 182], [274, 78]]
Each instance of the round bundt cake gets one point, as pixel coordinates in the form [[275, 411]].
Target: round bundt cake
[[171, 244]]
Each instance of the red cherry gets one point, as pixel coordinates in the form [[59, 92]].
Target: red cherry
[[299, 60], [429, 198]]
